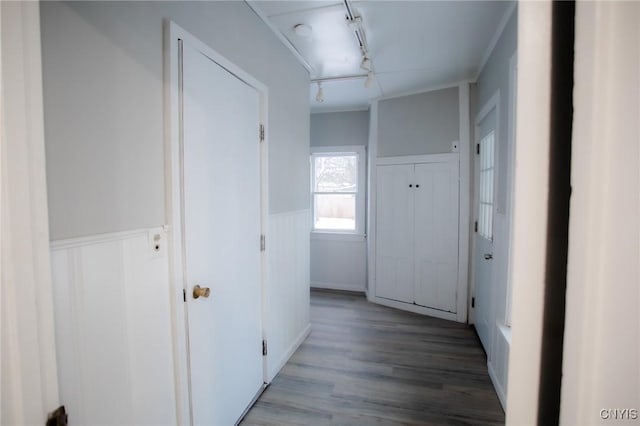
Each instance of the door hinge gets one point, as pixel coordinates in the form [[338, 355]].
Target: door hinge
[[475, 226], [261, 132], [478, 148], [264, 347], [473, 302], [184, 295], [263, 243]]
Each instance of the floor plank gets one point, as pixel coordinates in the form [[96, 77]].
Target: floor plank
[[366, 364]]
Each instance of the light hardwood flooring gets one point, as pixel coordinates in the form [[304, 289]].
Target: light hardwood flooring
[[365, 364]]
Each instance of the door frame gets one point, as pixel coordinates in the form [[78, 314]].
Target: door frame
[[173, 203], [490, 105], [29, 367]]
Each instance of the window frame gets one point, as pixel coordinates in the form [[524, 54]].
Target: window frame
[[338, 151]]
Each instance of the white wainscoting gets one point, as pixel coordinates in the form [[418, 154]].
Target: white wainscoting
[[498, 350], [113, 328], [287, 292], [498, 365], [339, 262]]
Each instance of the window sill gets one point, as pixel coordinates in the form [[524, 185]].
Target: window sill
[[337, 236]]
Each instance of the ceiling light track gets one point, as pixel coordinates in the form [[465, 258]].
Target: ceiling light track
[[354, 21], [341, 78], [350, 15]]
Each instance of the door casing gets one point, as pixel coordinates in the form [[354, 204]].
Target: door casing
[[29, 368]]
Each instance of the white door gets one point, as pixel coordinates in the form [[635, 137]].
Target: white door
[[221, 229], [436, 235], [394, 239], [485, 208]]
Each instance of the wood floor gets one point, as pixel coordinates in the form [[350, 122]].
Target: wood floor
[[365, 364]]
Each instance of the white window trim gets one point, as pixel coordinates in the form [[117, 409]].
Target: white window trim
[[360, 152]]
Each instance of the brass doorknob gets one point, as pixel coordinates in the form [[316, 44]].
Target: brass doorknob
[[201, 291]]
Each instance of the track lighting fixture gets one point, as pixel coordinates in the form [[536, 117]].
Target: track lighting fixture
[[320, 94], [354, 21]]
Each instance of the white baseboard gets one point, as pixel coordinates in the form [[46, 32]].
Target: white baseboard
[[451, 316], [370, 297], [496, 385], [334, 286], [285, 357]]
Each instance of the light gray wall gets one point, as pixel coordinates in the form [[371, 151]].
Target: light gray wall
[[335, 263], [340, 128], [495, 76], [103, 98], [338, 264], [426, 123]]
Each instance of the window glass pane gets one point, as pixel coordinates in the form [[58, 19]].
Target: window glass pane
[[487, 220], [335, 173], [486, 187], [483, 183], [335, 211]]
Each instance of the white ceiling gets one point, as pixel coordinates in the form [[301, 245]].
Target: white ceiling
[[414, 45]]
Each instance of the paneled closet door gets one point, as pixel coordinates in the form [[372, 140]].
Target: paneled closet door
[[436, 235], [394, 244]]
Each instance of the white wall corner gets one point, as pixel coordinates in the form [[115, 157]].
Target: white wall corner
[[371, 199]]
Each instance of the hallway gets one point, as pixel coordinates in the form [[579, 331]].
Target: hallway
[[367, 364]]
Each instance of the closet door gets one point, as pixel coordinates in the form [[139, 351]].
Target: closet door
[[436, 235], [394, 233]]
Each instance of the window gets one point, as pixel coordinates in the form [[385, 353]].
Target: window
[[337, 189], [485, 214]]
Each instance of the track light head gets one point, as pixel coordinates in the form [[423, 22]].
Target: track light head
[[320, 94], [368, 82]]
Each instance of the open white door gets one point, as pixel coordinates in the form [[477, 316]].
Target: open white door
[[486, 141], [221, 237]]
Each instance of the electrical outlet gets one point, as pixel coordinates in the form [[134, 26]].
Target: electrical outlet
[[157, 242], [455, 146]]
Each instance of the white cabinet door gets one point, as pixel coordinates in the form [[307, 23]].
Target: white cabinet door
[[436, 235], [394, 239]]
